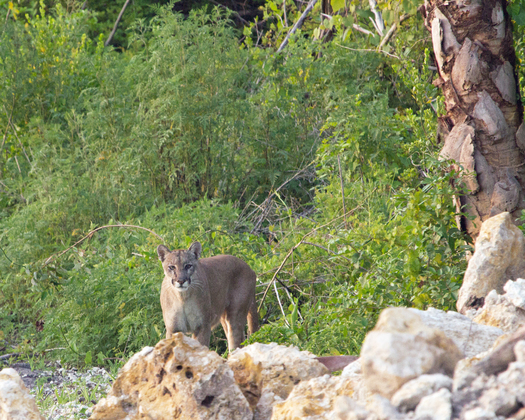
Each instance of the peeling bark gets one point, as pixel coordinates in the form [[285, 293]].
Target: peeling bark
[[482, 129]]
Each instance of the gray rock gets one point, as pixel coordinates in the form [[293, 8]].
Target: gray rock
[[471, 338], [436, 406], [499, 401], [345, 408], [479, 414], [519, 351], [400, 348], [499, 256], [383, 409], [411, 393]]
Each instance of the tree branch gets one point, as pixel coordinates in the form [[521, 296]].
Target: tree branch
[[297, 25], [112, 34]]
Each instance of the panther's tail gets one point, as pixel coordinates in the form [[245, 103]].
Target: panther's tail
[[253, 318]]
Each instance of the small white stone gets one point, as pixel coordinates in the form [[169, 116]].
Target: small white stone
[[516, 292], [435, 406], [519, 351], [408, 397], [479, 414]]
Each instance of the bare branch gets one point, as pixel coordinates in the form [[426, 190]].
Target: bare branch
[[391, 31], [112, 34], [297, 25]]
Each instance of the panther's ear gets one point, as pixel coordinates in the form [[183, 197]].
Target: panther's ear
[[162, 251], [196, 248]]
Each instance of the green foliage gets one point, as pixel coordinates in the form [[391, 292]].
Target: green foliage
[[186, 133]]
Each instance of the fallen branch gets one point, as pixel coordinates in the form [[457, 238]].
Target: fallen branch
[[297, 25], [8, 356], [90, 234], [112, 34]]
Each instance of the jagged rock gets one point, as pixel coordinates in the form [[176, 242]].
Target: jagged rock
[[383, 409], [179, 378], [504, 311], [400, 348], [499, 359], [436, 406], [410, 394], [353, 374], [348, 409], [313, 399], [463, 373], [499, 256], [491, 396], [499, 401], [470, 337], [267, 373], [16, 403]]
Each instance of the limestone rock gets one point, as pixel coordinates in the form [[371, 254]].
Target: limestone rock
[[479, 414], [504, 311], [495, 396], [411, 393], [499, 256], [16, 403], [353, 374], [470, 337], [463, 375], [400, 348], [267, 373], [348, 409], [519, 351], [179, 378], [383, 409], [436, 406], [313, 399]]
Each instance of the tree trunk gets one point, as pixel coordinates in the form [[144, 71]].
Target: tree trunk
[[482, 129]]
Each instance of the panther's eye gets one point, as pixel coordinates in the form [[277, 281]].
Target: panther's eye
[[187, 266], [171, 267]]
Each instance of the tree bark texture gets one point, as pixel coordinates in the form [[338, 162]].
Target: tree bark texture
[[482, 129]]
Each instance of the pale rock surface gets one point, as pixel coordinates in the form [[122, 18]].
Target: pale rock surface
[[267, 373], [496, 396], [347, 408], [499, 256], [519, 351], [178, 378], [383, 408], [400, 348], [504, 311], [470, 337], [436, 406], [462, 372], [410, 394], [353, 373], [313, 399], [479, 414], [16, 403]]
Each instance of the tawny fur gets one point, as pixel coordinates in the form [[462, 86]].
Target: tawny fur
[[198, 294]]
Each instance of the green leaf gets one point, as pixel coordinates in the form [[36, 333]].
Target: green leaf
[[88, 360], [337, 4]]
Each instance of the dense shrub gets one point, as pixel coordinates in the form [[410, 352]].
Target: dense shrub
[[192, 134]]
